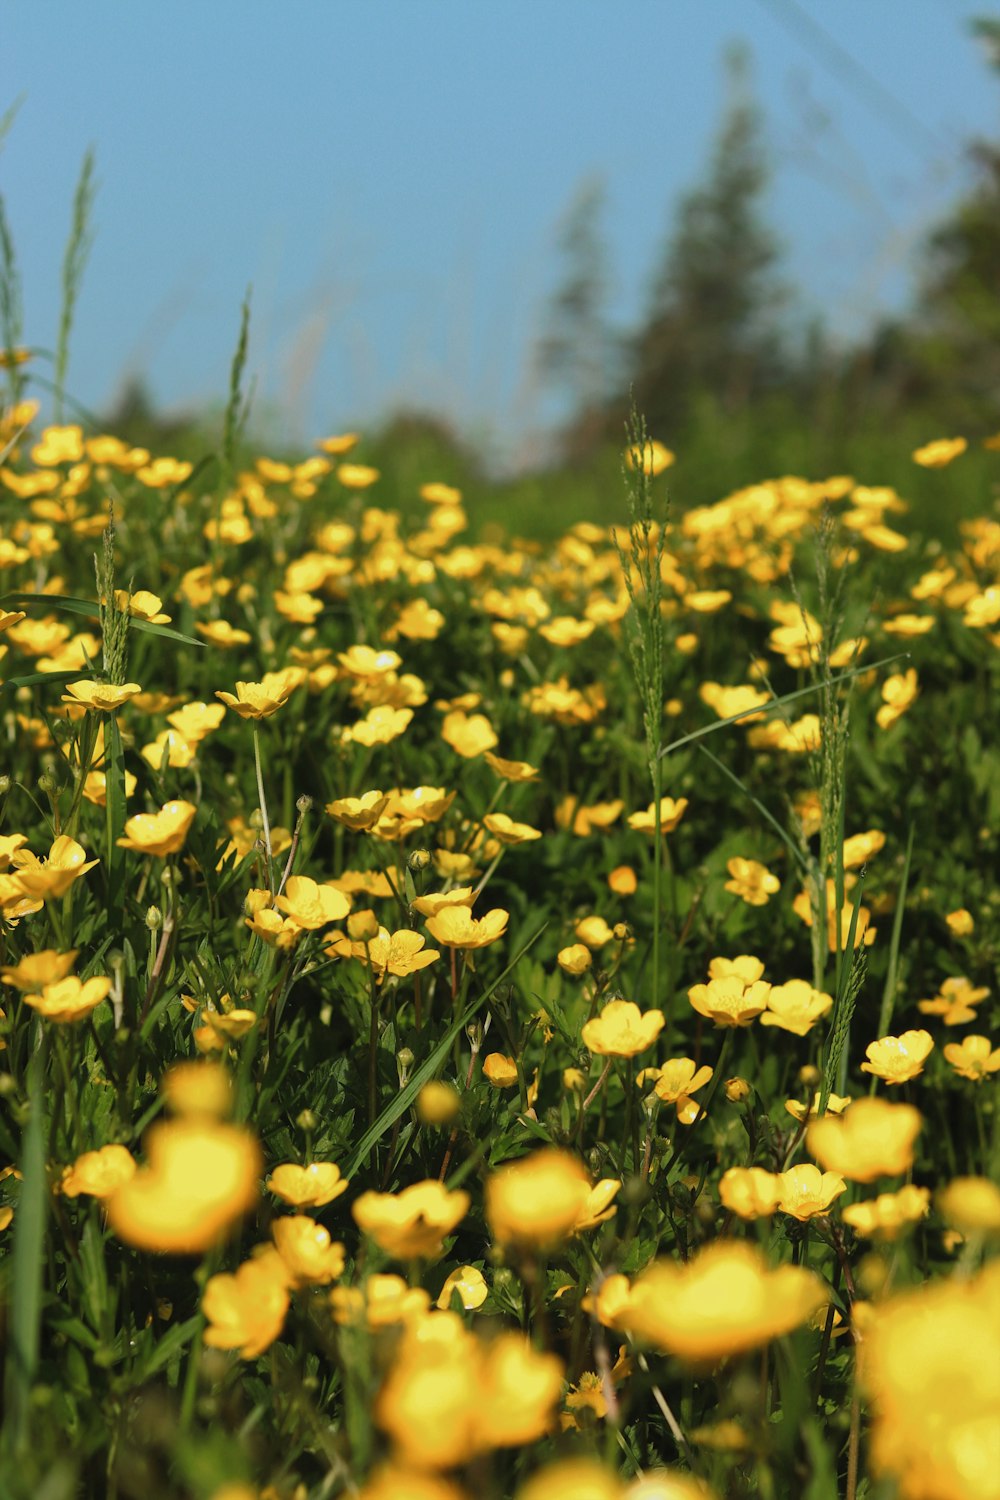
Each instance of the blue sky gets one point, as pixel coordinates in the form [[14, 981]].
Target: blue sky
[[390, 175]]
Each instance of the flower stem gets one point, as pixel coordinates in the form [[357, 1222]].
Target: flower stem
[[263, 808]]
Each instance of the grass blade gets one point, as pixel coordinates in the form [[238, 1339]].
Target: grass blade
[[768, 817], [29, 1257], [889, 992]]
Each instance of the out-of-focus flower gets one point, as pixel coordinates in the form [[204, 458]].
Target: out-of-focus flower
[[538, 1200], [723, 1300], [198, 1089], [871, 1139], [381, 1301], [35, 970], [960, 922], [898, 692], [897, 1059], [599, 1205], [438, 1103], [200, 1178], [412, 1222], [509, 832], [835, 1105], [510, 770], [941, 451], [956, 1001], [622, 1030], [888, 1215], [468, 735], [651, 457], [750, 1192], [971, 1204], [671, 813], [751, 881], [71, 999], [311, 1258], [930, 1363], [576, 959]]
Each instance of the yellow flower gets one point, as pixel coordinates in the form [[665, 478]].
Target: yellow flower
[[70, 999], [310, 905], [576, 959], [379, 1302], [960, 922], [437, 1103], [200, 1178], [730, 1001], [671, 813], [752, 882], [307, 1187], [392, 1481], [159, 833], [310, 1257], [599, 1205], [398, 953], [47, 879], [940, 452], [259, 700], [36, 970], [169, 747], [105, 697], [142, 605], [971, 1204], [886, 1217], [956, 1001], [622, 1030], [805, 1192], [899, 691], [274, 929], [358, 813], [930, 1363], [835, 1105], [246, 1311], [573, 1479], [98, 1173], [750, 1192], [221, 633], [871, 1139], [380, 726], [860, 848], [412, 1222], [198, 1089], [456, 927], [973, 1057], [509, 832], [196, 720], [594, 931], [676, 1081], [356, 476], [515, 1401], [500, 1071], [652, 457], [537, 1201], [582, 821], [470, 1285], [468, 735], [95, 787], [897, 1059], [795, 1006], [724, 1300], [623, 880], [510, 770]]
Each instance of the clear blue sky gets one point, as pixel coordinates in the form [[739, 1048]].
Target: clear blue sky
[[389, 175]]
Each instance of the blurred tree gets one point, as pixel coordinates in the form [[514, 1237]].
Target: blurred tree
[[712, 328], [577, 353]]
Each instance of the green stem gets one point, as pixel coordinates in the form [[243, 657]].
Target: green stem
[[263, 806]]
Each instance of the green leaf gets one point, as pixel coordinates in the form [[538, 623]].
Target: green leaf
[[429, 1067], [174, 635]]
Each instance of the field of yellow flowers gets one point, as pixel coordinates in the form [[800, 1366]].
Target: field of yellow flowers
[[483, 1019]]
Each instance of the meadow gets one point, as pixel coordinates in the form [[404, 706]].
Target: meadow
[[493, 1015]]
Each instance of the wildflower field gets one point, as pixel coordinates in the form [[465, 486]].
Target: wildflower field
[[489, 1019]]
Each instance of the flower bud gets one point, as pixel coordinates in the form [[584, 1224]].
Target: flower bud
[[737, 1089], [418, 860], [304, 804], [306, 1121], [154, 918], [404, 1062], [808, 1076]]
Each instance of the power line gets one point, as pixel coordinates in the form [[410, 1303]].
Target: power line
[[854, 75]]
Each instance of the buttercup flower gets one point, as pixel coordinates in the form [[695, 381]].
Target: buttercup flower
[[675, 1083], [730, 1002], [956, 1001], [259, 700], [871, 1139], [973, 1058], [310, 1257], [35, 970], [509, 832], [795, 1006], [971, 1204], [897, 1059], [510, 770], [576, 959], [723, 1300], [751, 881], [161, 833], [47, 879], [307, 1187], [98, 1173], [200, 1178], [500, 1071], [750, 1192], [835, 1105], [412, 1222], [888, 1215], [470, 1285], [599, 1206], [671, 813], [537, 1201], [960, 922], [358, 813], [105, 697], [198, 1089], [455, 927], [381, 1301], [246, 1311], [70, 999], [940, 452], [310, 905], [622, 1030], [805, 1192], [468, 735]]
